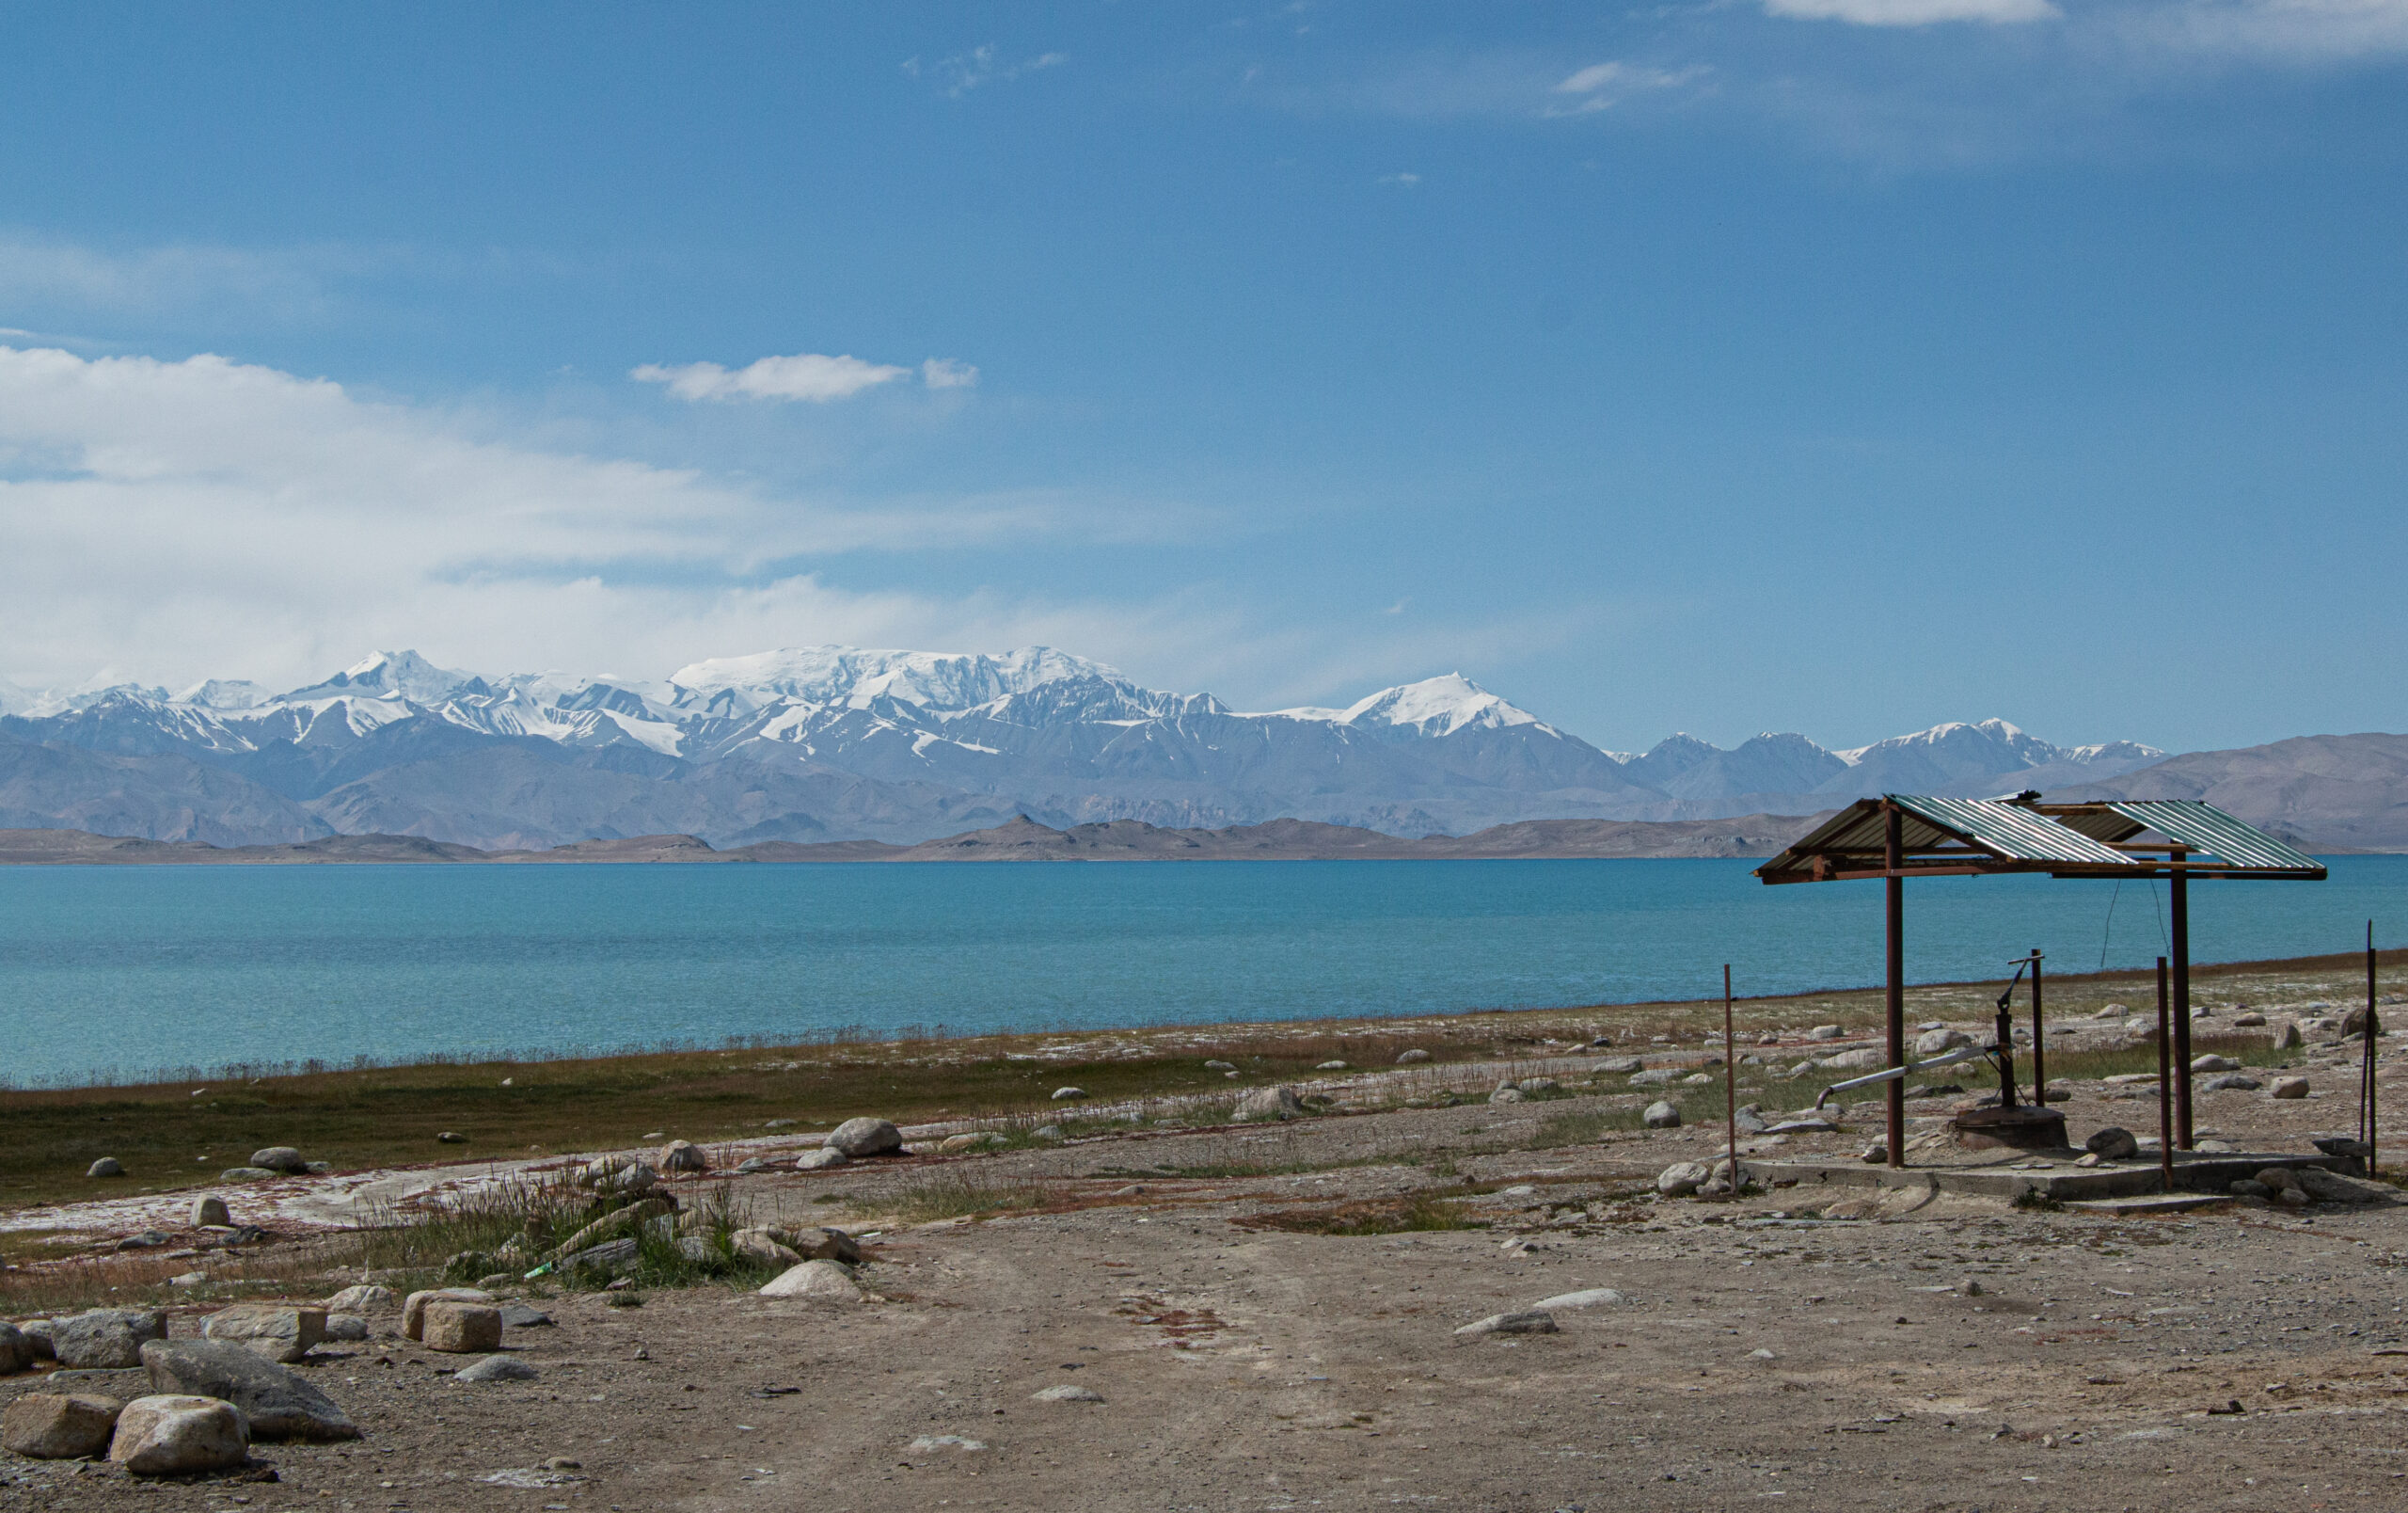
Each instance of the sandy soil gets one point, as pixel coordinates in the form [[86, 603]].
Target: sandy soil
[[1758, 1354]]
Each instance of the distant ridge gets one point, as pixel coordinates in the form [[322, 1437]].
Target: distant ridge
[[1022, 840]]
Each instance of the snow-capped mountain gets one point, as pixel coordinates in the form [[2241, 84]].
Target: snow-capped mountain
[[837, 742]]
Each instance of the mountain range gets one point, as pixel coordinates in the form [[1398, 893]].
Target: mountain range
[[834, 743]]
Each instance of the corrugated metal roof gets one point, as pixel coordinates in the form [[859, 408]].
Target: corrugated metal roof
[[2204, 827], [2013, 831]]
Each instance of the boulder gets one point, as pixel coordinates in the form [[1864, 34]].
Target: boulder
[[2289, 1087], [1068, 1094], [819, 1160], [1825, 1032], [414, 1307], [858, 1138], [36, 1333], [817, 1244], [611, 1256], [1412, 1058], [1528, 1321], [349, 1329], [2288, 1038], [1861, 1060], [1680, 1178], [2114, 1143], [610, 1226], [248, 1174], [1270, 1103], [496, 1368], [282, 1158], [821, 1281], [2326, 1187], [275, 1330], [1329, 1066], [1616, 1065], [682, 1157], [176, 1434], [2231, 1082], [1585, 1297], [1068, 1392], [2246, 1188], [107, 1166], [1506, 1094], [760, 1245], [1941, 1042], [1661, 1115], [2275, 1179], [1655, 1077], [1540, 1087], [367, 1298], [978, 1140], [60, 1425], [146, 1240], [105, 1339], [2252, 1020], [276, 1401], [17, 1350], [524, 1316], [2214, 1063], [210, 1212], [461, 1329]]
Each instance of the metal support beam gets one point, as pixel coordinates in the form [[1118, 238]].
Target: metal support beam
[[2039, 1040], [2180, 888], [1896, 889], [2164, 1087]]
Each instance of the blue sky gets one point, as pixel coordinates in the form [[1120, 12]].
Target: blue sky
[[1832, 365]]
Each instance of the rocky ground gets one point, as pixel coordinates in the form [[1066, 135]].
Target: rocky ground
[[1239, 1350]]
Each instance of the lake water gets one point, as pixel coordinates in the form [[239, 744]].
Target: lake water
[[107, 972]]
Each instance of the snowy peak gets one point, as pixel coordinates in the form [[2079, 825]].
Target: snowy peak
[[1438, 707], [855, 678], [390, 674]]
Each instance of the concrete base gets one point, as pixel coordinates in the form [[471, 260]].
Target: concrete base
[[2023, 1127], [2194, 1172]]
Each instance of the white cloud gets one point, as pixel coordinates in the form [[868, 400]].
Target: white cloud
[[964, 72], [945, 372], [1402, 181], [2300, 31], [1915, 12], [1601, 85], [807, 375]]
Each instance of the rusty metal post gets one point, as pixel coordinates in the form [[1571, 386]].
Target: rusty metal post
[[1893, 857], [2365, 1072], [2164, 1087], [2039, 1049], [1731, 1078], [2180, 889]]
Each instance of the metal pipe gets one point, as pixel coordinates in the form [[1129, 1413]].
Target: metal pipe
[[2039, 1052], [2164, 1090], [1892, 848], [1900, 1074], [2178, 887], [1731, 1079], [2366, 1076]]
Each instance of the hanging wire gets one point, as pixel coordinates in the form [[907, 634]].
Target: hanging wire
[[2105, 933]]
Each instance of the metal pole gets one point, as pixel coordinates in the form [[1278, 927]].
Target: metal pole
[[2164, 1090], [1893, 850], [1731, 1078], [2180, 889], [2039, 1051], [2366, 1076]]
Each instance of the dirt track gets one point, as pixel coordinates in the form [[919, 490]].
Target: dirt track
[[1244, 1367]]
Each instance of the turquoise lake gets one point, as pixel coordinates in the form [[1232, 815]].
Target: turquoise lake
[[113, 972]]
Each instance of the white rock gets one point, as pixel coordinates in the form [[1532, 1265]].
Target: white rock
[[1068, 1094], [1661, 1115], [367, 1298], [1941, 1042], [1680, 1178], [1825, 1032], [1411, 1057], [858, 1138], [1068, 1392], [682, 1156], [819, 1160], [2214, 1063], [822, 1280], [1270, 1103], [2289, 1087], [172, 1435], [1590, 1297], [210, 1211], [496, 1368]]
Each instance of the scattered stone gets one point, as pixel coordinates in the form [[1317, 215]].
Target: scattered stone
[[1680, 1178], [1590, 1297], [17, 1350], [2275, 1179], [173, 1435], [2231, 1082], [210, 1211], [60, 1425], [1411, 1057], [146, 1240], [282, 1158], [1068, 1392], [1068, 1094], [496, 1368], [524, 1316], [819, 1160], [2114, 1143], [2292, 1197], [2252, 1020], [1865, 1059], [365, 1298], [105, 1339], [461, 1329], [1330, 1066], [414, 1307], [759, 1245], [276, 1401], [682, 1156], [818, 1244], [1822, 1032], [1655, 1077], [107, 1166], [2214, 1063], [1219, 1066], [1506, 1093], [450, 1137], [1751, 1120], [1616, 1066], [1699, 1080], [1270, 1103], [1809, 1124], [275, 1330], [622, 1175], [2325, 1186], [1047, 1132], [2289, 1087], [36, 1333], [349, 1329], [1941, 1042], [822, 1280], [1528, 1321], [858, 1138], [978, 1140], [2288, 1038], [1661, 1115], [611, 1256], [1875, 1153], [929, 1443]]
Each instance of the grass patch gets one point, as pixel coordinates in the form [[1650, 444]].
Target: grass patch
[[954, 1192], [1385, 1216]]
